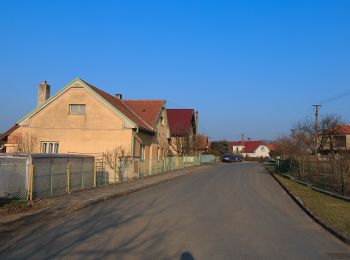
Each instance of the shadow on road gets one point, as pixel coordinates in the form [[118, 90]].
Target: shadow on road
[[102, 232]]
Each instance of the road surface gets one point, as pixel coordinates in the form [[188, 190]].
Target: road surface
[[232, 211]]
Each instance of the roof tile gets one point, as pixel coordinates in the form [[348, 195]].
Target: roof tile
[[180, 120]]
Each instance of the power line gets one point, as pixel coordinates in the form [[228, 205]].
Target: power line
[[344, 94]]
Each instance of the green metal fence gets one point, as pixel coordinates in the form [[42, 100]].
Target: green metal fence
[[328, 175], [42, 175], [142, 168]]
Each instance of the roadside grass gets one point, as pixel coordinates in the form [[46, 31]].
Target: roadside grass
[[13, 206], [332, 211]]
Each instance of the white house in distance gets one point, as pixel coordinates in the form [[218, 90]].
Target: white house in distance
[[249, 148]]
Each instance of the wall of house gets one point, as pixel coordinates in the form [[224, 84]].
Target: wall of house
[[348, 142], [237, 149], [153, 142], [261, 151], [94, 132]]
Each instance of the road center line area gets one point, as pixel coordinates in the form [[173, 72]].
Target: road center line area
[[230, 211]]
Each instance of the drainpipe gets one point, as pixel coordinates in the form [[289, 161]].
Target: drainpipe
[[133, 140]]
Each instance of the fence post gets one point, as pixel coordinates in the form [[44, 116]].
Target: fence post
[[342, 181], [51, 185], [68, 177], [94, 173], [31, 176], [82, 173]]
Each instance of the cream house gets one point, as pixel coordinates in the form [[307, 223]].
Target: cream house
[[249, 148], [81, 118]]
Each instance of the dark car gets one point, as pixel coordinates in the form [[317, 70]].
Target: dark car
[[237, 158], [227, 158]]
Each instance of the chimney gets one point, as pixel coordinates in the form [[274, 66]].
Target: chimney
[[249, 139], [119, 96], [43, 92]]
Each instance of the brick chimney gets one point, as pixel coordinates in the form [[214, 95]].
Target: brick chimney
[[43, 92], [119, 96]]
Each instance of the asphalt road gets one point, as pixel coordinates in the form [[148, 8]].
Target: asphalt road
[[233, 211]]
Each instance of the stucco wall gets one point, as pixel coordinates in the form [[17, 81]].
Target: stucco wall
[[153, 142], [94, 132]]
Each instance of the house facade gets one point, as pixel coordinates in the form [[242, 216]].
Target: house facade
[[183, 124], [340, 137], [202, 144], [81, 118], [249, 148]]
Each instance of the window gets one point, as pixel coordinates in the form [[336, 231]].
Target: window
[[262, 148], [162, 120], [77, 109], [49, 147]]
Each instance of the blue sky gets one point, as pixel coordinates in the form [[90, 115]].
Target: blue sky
[[248, 66]]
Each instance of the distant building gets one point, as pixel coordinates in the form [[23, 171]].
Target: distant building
[[249, 148], [341, 137], [202, 143], [183, 124]]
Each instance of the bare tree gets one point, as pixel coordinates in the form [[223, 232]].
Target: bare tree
[[118, 160], [329, 128], [182, 142], [324, 138], [24, 143], [164, 146]]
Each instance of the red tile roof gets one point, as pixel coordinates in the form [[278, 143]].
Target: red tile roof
[[271, 147], [180, 120], [123, 108], [9, 131], [236, 143], [148, 110], [249, 146], [345, 129]]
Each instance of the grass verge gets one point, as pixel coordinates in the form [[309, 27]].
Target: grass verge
[[332, 211]]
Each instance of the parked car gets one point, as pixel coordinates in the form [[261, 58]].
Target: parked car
[[227, 158], [238, 158]]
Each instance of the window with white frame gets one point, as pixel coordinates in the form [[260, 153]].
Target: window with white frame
[[50, 147], [77, 109]]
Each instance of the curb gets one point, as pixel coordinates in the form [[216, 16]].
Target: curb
[[308, 212], [331, 194]]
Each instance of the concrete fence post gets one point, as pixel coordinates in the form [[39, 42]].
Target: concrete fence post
[[82, 174], [68, 177], [164, 165], [94, 173], [51, 177], [30, 186]]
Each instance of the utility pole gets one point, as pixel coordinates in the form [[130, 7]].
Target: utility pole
[[317, 107]]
